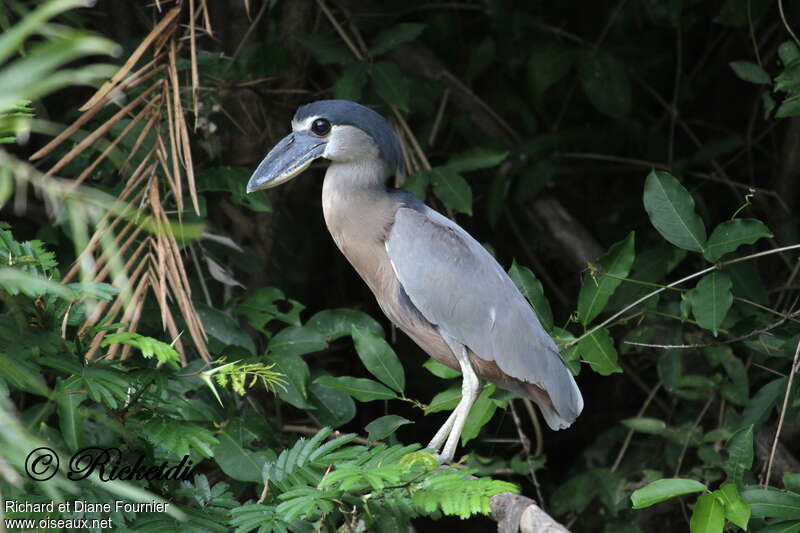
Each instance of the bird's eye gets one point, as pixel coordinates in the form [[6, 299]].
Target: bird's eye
[[321, 127]]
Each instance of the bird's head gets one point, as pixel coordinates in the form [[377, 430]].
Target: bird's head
[[337, 130]]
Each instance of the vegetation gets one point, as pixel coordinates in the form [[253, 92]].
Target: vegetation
[[634, 164]]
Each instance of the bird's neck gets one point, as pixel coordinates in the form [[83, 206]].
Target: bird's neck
[[359, 211]]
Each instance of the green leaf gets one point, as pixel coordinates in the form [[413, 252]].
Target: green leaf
[[293, 341], [297, 373], [664, 489], [788, 51], [792, 481], [350, 84], [235, 459], [439, 370], [379, 358], [332, 407], [70, 418], [395, 36], [476, 159], [605, 83], [481, 412], [382, 427], [751, 72], [711, 300], [598, 350], [772, 503], [392, 85], [597, 290], [650, 426], [264, 306], [783, 526], [763, 401], [736, 510], [452, 189], [708, 515], [147, 345], [445, 400], [178, 436], [531, 288], [549, 62], [671, 210], [224, 329], [740, 454], [326, 47], [334, 324], [789, 108], [362, 389], [731, 234]]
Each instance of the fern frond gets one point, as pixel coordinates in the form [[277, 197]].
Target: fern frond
[[178, 436], [454, 494]]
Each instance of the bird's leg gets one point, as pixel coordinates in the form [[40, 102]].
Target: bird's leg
[[438, 440], [470, 386]]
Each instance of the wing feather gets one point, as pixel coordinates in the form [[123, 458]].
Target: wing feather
[[458, 286]]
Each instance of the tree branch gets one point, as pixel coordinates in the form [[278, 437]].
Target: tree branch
[[515, 513]]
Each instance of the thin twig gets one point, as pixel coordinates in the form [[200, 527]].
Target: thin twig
[[690, 433], [629, 436], [678, 282], [792, 372]]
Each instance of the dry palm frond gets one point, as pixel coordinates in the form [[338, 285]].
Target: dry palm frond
[[136, 247]]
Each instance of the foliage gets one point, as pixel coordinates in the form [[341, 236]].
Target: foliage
[[632, 164]]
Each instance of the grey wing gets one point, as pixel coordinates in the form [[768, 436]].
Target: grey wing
[[459, 287]]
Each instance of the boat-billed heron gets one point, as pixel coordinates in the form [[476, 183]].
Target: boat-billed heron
[[430, 277]]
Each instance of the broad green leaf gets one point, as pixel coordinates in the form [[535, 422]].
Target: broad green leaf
[[382, 427], [379, 358], [296, 372], [362, 389], [671, 210], [481, 412], [350, 84], [791, 480], [605, 82], [763, 401], [334, 324], [747, 283], [789, 107], [392, 85], [224, 329], [738, 388], [445, 400], [740, 454], [783, 526], [533, 180], [596, 290], [736, 510], [772, 503], [476, 159], [651, 426], [751, 72], [452, 189], [664, 489], [326, 47], [235, 459], [439, 370], [731, 234], [788, 51], [267, 304], [549, 62], [294, 341], [708, 515], [788, 80], [332, 407], [417, 184], [598, 350], [711, 299], [531, 288], [395, 36]]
